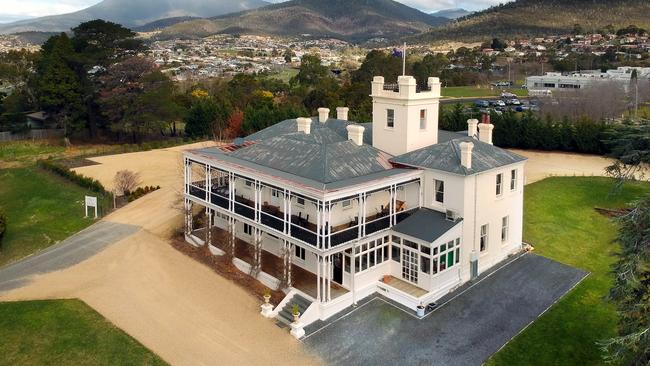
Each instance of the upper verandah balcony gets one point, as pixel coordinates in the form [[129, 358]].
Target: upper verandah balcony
[[323, 224]]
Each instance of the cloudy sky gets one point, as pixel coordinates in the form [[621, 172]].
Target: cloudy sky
[[12, 10]]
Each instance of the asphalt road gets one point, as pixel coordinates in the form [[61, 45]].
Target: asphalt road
[[467, 330], [68, 252]]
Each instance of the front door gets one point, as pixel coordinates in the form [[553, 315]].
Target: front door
[[410, 266], [337, 268]]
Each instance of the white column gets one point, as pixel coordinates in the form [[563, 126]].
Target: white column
[[360, 213], [318, 224], [318, 269], [231, 192], [289, 212], [329, 225], [353, 272], [329, 278]]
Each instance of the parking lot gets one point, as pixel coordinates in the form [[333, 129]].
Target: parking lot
[[475, 323]]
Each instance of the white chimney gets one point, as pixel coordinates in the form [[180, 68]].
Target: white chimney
[[323, 114], [355, 133], [485, 132], [466, 154], [304, 125], [342, 113], [472, 126]]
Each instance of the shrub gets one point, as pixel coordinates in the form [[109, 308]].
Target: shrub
[[125, 181]]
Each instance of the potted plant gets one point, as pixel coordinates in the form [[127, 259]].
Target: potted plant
[[386, 278], [420, 310], [267, 295], [296, 313]]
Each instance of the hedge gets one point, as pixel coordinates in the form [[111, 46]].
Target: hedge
[[83, 181], [3, 224]]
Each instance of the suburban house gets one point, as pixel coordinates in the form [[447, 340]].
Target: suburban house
[[332, 211]]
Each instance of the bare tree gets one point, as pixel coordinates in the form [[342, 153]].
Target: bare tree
[[604, 100], [125, 181]]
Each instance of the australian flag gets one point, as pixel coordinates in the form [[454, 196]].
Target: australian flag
[[398, 53]]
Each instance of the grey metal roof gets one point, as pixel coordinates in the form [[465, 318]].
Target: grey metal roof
[[446, 136], [425, 224], [290, 126], [217, 154], [445, 156]]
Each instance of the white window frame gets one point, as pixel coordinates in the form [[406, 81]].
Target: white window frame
[[423, 120], [248, 229], [436, 191], [513, 179], [299, 253], [390, 118], [505, 228], [346, 204], [275, 193], [499, 184], [484, 238]]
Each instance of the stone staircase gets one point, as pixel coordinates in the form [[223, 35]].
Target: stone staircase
[[285, 317]]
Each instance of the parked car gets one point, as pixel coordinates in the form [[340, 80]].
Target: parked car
[[482, 103], [499, 103], [507, 95], [513, 101]]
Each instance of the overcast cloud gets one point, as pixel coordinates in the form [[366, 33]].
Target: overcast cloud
[[12, 10]]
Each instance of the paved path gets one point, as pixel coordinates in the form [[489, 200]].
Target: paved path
[[67, 253], [464, 331]]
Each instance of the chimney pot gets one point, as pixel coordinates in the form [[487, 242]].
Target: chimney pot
[[466, 154], [323, 114], [355, 133], [342, 113]]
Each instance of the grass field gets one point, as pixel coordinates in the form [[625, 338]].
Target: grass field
[[41, 209], [474, 92], [561, 223], [65, 332]]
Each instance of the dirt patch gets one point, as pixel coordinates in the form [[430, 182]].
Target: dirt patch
[[613, 212]]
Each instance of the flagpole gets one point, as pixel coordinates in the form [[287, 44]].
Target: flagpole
[[404, 60]]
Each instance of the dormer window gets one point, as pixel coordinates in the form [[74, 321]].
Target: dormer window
[[390, 118]]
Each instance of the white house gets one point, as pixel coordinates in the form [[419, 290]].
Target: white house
[[332, 211]]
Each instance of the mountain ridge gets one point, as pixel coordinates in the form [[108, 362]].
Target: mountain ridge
[[131, 13], [352, 20], [531, 18]]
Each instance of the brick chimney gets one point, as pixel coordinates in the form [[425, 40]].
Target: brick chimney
[[342, 113], [304, 125], [355, 133], [323, 114], [466, 154]]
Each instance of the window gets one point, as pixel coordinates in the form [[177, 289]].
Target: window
[[300, 252], [484, 237], [423, 119], [425, 264], [395, 253], [372, 254], [346, 204], [513, 179], [504, 228], [499, 184], [300, 201], [390, 118], [275, 193], [248, 229], [248, 183], [440, 190]]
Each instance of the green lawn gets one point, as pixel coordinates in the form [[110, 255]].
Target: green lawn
[[561, 223], [474, 92], [41, 209], [65, 332]]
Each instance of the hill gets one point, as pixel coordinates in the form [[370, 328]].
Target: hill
[[524, 18], [131, 13], [352, 20], [164, 23], [454, 13]]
